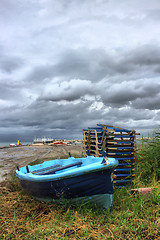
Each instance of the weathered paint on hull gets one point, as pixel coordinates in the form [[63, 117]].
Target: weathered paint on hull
[[103, 200], [94, 187]]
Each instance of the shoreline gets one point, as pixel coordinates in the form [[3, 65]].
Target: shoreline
[[22, 143], [23, 155]]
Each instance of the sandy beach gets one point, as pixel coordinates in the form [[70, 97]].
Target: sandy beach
[[10, 157]]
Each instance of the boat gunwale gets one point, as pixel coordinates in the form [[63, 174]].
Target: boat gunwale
[[93, 167]]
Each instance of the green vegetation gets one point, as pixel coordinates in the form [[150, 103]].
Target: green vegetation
[[134, 216], [148, 165]]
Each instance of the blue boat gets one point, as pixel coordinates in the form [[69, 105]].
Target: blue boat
[[73, 179]]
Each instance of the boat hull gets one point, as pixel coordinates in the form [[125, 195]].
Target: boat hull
[[92, 186], [74, 180]]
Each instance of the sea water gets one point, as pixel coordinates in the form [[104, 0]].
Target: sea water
[[7, 143]]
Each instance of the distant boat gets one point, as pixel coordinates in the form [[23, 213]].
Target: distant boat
[[59, 143], [12, 145], [18, 143], [73, 179]]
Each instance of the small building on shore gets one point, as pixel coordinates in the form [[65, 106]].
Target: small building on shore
[[43, 140]]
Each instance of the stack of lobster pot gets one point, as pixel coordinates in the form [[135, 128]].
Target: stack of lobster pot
[[118, 143]]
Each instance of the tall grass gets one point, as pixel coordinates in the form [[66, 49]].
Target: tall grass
[[148, 162]]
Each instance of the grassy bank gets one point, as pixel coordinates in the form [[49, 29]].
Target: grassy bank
[[133, 216]]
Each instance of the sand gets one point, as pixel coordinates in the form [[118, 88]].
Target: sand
[[10, 157]]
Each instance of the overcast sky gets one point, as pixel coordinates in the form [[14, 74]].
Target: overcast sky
[[66, 65]]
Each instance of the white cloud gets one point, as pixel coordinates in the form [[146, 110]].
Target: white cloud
[[67, 90]]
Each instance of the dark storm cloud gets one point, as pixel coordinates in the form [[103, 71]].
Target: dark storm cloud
[[92, 64], [146, 55], [80, 63], [66, 120], [11, 10], [84, 64], [127, 114], [136, 59], [46, 114], [8, 91], [10, 63], [126, 93], [96, 64], [143, 92], [6, 6], [40, 73], [154, 14], [147, 103], [42, 114], [42, 118]]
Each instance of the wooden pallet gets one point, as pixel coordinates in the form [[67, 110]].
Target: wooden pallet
[[116, 142]]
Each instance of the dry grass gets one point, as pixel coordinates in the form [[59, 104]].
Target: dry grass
[[133, 217]]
